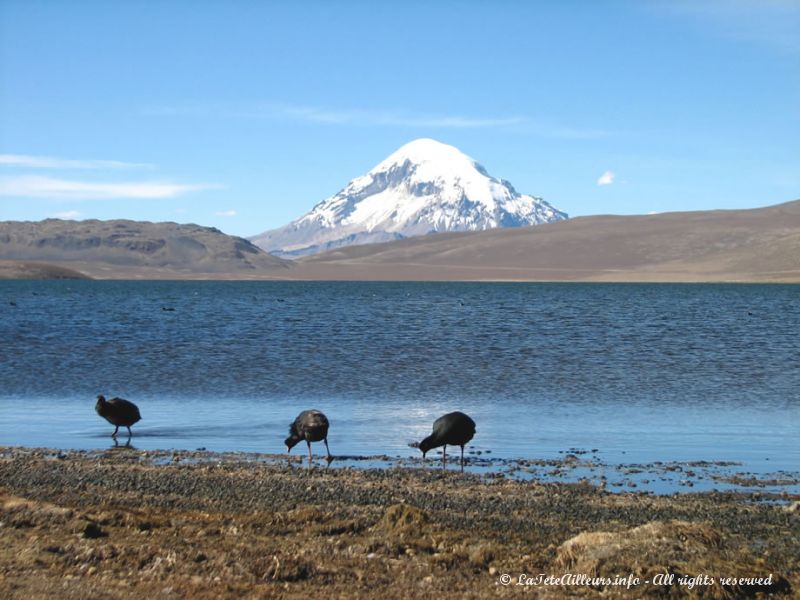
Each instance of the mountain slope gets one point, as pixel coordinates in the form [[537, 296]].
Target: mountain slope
[[424, 187], [124, 248], [760, 244], [18, 269]]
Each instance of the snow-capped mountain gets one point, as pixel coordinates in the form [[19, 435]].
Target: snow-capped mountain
[[424, 187]]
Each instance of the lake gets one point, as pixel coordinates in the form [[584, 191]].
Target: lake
[[637, 373]]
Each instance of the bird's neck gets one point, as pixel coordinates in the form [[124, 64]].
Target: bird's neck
[[429, 442]]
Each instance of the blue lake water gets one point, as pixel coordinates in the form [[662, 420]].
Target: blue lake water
[[637, 372]]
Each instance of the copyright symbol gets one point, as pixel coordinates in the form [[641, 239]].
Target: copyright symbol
[[505, 579]]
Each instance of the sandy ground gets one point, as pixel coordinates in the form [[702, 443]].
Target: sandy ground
[[135, 524]]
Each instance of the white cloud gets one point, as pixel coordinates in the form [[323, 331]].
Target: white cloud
[[50, 162], [606, 178], [67, 214], [226, 213], [62, 189]]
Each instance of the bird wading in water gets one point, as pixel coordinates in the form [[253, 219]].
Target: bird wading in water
[[311, 426], [455, 429], [118, 412]]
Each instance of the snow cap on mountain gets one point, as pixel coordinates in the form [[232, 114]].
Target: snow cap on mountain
[[423, 187]]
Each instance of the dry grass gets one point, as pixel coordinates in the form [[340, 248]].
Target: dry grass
[[111, 527]]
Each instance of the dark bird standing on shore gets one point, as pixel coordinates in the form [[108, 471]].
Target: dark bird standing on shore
[[454, 428], [311, 426], [118, 412]]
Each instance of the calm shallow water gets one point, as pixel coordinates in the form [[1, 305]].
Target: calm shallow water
[[639, 372]]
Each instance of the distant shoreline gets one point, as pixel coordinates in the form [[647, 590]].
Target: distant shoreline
[[14, 269], [24, 270]]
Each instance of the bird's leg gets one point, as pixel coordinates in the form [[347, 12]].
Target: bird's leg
[[330, 458], [462, 458], [130, 433], [116, 429], [309, 453], [444, 456]]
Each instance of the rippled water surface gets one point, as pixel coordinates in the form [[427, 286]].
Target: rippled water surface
[[636, 372]]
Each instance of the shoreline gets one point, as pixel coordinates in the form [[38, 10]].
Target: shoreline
[[81, 273], [570, 467], [152, 524]]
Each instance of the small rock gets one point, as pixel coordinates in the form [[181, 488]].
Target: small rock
[[93, 531]]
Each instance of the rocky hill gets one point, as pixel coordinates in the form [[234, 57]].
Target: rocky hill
[[135, 249]]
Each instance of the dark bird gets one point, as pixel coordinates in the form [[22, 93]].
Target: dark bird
[[311, 426], [454, 428], [118, 412]]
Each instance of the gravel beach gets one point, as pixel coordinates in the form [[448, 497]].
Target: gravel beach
[[127, 523]]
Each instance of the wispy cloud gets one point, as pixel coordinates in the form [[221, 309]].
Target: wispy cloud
[[63, 189], [310, 114], [606, 178], [397, 119], [773, 23], [373, 118], [226, 213], [67, 214], [50, 162]]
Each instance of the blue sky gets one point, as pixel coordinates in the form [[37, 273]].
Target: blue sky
[[244, 114]]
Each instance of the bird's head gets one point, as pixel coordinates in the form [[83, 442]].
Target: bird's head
[[101, 400], [291, 442], [426, 445]]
